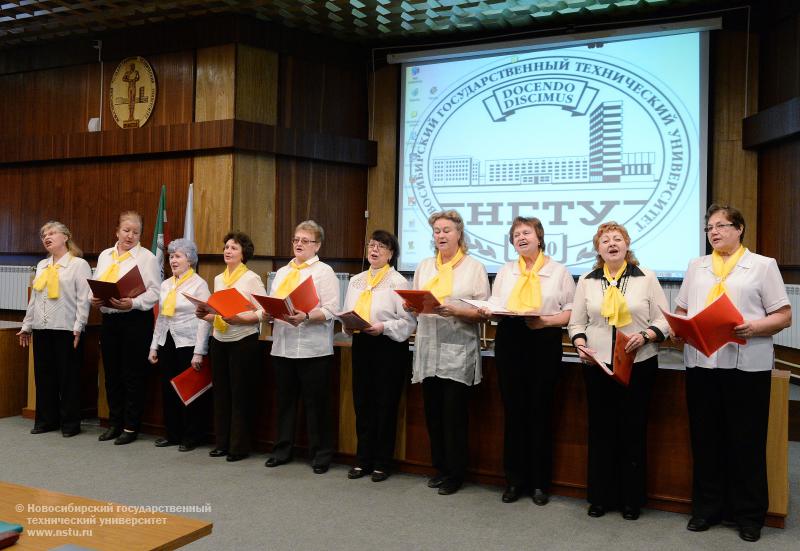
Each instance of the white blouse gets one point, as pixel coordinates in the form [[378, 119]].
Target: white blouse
[[186, 328], [310, 339], [148, 267], [644, 296], [558, 287], [449, 348], [387, 306], [756, 288], [249, 283], [70, 310]]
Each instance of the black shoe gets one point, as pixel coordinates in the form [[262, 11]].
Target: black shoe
[[186, 447], [540, 497], [511, 494], [164, 442], [750, 533], [596, 511], [233, 457], [110, 434], [449, 486], [700, 524], [357, 472], [436, 481], [125, 438], [379, 476], [70, 433], [630, 513], [320, 469], [275, 462], [42, 430], [218, 452]]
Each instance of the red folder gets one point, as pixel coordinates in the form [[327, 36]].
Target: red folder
[[304, 298], [128, 286], [191, 384], [352, 321], [226, 303], [622, 362], [711, 328], [422, 301]]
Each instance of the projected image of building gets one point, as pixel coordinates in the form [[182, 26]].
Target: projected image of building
[[606, 162], [546, 170], [605, 142], [455, 171]]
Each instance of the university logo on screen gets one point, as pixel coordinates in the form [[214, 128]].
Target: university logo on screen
[[572, 187]]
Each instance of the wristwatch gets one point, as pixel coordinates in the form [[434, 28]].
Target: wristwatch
[[645, 336]]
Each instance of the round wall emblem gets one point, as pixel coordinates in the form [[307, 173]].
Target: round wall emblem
[[133, 92]]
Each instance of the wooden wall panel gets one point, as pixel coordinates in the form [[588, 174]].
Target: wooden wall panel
[[87, 197], [779, 163], [779, 77], [256, 85], [55, 101], [382, 179], [253, 205], [213, 196], [779, 197], [216, 74], [175, 89], [734, 172], [333, 195], [323, 97]]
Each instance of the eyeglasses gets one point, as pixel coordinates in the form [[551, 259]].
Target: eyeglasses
[[717, 227], [376, 245], [303, 241]]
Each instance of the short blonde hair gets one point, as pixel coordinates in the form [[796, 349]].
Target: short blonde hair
[[131, 215], [607, 227], [456, 219], [73, 249], [313, 227]]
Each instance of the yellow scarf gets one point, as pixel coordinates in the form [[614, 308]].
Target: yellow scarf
[[722, 269], [441, 285], [112, 274], [291, 281], [48, 278], [228, 279], [168, 308], [527, 292], [364, 303], [614, 306]]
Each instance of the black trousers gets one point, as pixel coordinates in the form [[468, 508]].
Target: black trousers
[[57, 372], [528, 364], [234, 372], [309, 378], [728, 417], [380, 370], [447, 418], [184, 423], [125, 344], [617, 474]]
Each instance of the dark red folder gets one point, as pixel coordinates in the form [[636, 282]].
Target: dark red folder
[[128, 286]]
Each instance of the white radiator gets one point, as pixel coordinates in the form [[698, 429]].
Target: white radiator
[[791, 336], [14, 282]]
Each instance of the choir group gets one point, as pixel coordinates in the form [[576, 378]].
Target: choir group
[[727, 392]]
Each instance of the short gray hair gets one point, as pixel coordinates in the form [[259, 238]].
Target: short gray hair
[[185, 246], [312, 227]]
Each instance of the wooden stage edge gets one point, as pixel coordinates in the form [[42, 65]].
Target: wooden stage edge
[[92, 523]]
